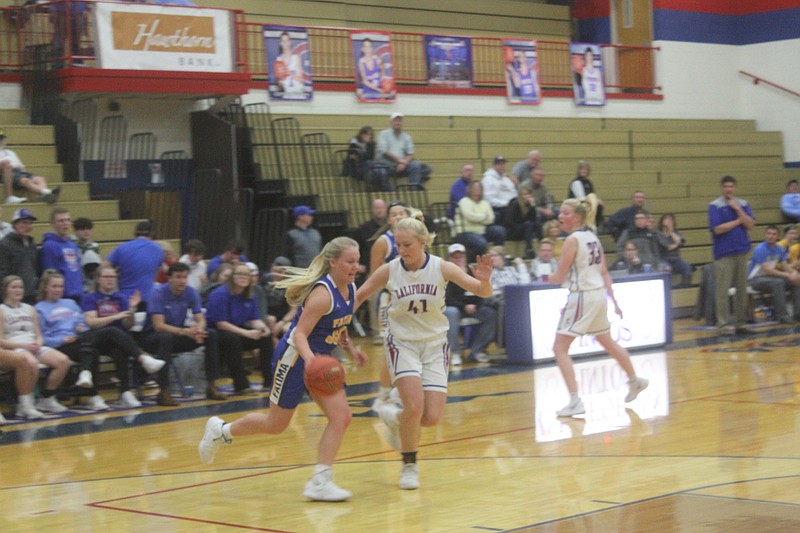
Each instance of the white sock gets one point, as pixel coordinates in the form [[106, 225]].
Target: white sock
[[45, 190], [383, 392], [226, 431], [321, 468], [26, 399]]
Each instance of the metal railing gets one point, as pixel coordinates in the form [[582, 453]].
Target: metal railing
[[759, 79]]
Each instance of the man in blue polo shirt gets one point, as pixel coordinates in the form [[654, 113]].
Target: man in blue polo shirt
[[770, 273], [167, 331], [137, 262], [729, 220]]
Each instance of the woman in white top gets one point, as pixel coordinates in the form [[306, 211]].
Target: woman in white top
[[416, 345], [582, 270], [19, 332]]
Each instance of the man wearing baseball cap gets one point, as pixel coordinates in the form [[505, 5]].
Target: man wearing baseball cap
[[395, 152], [302, 242], [18, 254], [498, 188]]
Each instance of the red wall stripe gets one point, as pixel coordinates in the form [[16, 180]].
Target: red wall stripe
[[726, 7]]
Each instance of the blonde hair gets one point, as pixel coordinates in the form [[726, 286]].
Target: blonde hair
[[415, 224], [586, 209], [299, 281], [47, 276], [8, 280], [247, 294]]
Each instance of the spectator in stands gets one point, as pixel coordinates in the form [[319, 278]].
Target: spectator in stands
[[502, 274], [770, 273], [171, 331], [460, 304], [790, 244], [459, 189], [137, 262], [629, 261], [624, 218], [170, 258], [231, 254], [581, 187], [396, 152], [645, 239], [110, 316], [522, 219], [544, 264], [233, 312], [18, 254], [498, 188], [377, 218], [88, 248], [729, 219], [5, 227], [790, 202], [522, 169], [281, 313], [670, 241], [19, 331], [15, 176], [552, 231], [26, 374], [259, 293], [220, 277], [475, 223], [192, 256], [63, 328], [546, 207], [360, 156], [61, 254], [302, 242]]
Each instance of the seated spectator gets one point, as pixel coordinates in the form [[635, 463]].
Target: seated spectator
[[232, 254], [770, 273], [461, 304], [475, 224], [498, 188], [19, 331], [26, 373], [220, 277], [281, 312], [89, 250], [624, 218], [522, 169], [546, 208], [629, 261], [170, 258], [670, 241], [170, 331], [258, 291], [790, 202], [302, 242], [15, 177], [194, 250], [395, 153], [61, 254], [458, 189], [552, 231], [522, 219], [790, 244], [110, 317], [233, 312], [545, 263], [360, 155], [646, 242], [18, 253], [502, 274], [64, 329], [581, 187]]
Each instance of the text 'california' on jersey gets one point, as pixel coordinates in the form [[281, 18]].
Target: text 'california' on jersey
[[416, 309]]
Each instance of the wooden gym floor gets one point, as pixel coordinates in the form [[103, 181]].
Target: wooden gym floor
[[711, 446]]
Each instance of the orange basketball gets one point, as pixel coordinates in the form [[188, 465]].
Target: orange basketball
[[280, 69], [509, 54], [387, 85], [324, 376]]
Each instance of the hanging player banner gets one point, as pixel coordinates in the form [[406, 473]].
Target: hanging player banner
[[449, 61], [374, 66], [288, 63], [587, 74], [521, 60]]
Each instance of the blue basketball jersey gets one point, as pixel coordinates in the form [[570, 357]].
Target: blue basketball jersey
[[331, 326]]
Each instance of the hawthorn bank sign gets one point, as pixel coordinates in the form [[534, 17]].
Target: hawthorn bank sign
[[150, 37]]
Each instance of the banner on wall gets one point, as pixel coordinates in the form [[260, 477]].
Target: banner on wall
[[288, 63], [374, 66], [521, 60], [449, 61], [150, 37], [588, 83]]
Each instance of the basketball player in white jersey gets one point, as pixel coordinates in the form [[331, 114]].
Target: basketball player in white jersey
[[582, 270], [592, 81], [416, 344]]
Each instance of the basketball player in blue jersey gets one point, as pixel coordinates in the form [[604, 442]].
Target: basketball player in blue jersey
[[582, 270], [383, 251], [416, 345], [370, 68], [326, 293]]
